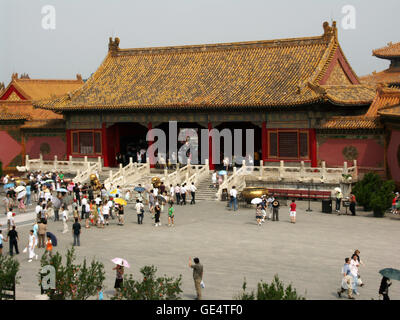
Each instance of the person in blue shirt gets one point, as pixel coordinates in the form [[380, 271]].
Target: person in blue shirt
[[347, 280], [28, 194], [99, 293]]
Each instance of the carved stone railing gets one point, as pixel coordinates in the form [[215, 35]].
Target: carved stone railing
[[83, 176], [189, 173], [66, 166], [127, 175], [237, 179]]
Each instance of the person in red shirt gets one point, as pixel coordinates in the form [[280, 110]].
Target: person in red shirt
[[352, 204], [394, 203], [293, 211]]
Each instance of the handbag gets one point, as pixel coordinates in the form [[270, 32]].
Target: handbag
[[202, 284]]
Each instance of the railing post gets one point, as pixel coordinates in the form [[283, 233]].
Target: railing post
[[27, 166], [261, 168], [281, 169], [323, 164], [301, 171], [55, 162], [70, 159], [111, 175], [207, 166], [355, 170], [165, 172], [99, 164], [345, 169], [85, 159], [130, 160]]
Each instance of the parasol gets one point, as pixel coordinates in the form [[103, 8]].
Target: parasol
[[256, 201], [390, 273], [19, 188], [121, 262], [120, 201]]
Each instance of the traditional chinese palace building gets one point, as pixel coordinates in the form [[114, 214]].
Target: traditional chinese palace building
[[300, 95]]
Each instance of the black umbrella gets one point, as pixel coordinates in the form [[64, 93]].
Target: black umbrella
[[52, 238]]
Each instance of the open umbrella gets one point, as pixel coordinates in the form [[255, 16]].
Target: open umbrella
[[49, 181], [21, 194], [161, 198], [9, 185], [62, 190], [52, 238], [139, 189], [19, 188], [120, 201], [115, 191], [70, 187], [222, 173], [121, 262], [256, 201], [390, 273], [337, 189]]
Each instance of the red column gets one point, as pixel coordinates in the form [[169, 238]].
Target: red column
[[69, 143], [210, 148], [149, 127], [104, 146], [117, 139], [313, 148], [264, 141]]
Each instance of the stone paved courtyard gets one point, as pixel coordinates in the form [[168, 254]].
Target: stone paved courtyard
[[231, 247]]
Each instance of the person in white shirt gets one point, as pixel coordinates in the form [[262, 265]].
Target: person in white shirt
[[106, 211], [233, 200], [155, 192], [65, 218], [193, 190], [139, 211], [183, 194], [178, 194], [171, 191], [354, 264], [97, 200], [214, 179], [31, 246], [110, 205], [9, 218], [84, 202]]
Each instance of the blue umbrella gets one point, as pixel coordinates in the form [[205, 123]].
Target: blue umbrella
[[222, 173], [62, 190], [139, 189], [52, 238], [390, 273], [9, 185]]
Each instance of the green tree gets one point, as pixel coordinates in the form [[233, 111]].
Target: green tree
[[364, 189], [73, 281], [381, 199], [274, 291], [9, 268], [151, 288]]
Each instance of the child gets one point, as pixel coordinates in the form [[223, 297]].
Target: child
[[293, 212], [49, 246], [99, 293], [171, 211]]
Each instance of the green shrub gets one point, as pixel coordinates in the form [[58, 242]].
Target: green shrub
[[73, 281], [9, 268], [381, 199], [364, 189], [274, 291], [151, 288]]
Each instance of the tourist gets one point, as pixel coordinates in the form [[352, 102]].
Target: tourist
[[197, 275], [28, 194], [352, 204], [110, 205], [42, 229], [171, 212], [97, 200], [31, 246], [193, 190], [9, 218], [65, 218], [100, 295], [233, 199], [157, 210], [346, 280], [395, 202], [151, 202], [49, 246], [77, 192], [13, 236], [139, 211], [76, 230], [21, 204], [292, 213], [263, 208], [8, 203], [275, 210], [100, 221], [127, 196], [177, 194], [354, 265], [258, 214], [357, 255], [119, 279], [57, 206], [384, 288], [1, 243], [120, 215], [171, 192], [214, 179], [106, 213], [103, 193], [339, 197], [183, 194], [38, 210], [12, 220], [87, 215], [84, 203]]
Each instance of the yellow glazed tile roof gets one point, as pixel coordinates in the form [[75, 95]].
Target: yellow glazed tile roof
[[392, 50], [259, 73], [6, 115], [351, 122]]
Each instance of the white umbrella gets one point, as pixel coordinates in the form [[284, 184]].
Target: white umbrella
[[21, 194], [256, 201], [121, 262], [19, 188], [337, 189]]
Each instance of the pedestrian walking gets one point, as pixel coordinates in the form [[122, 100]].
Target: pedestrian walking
[[49, 246], [352, 204], [119, 279], [31, 246], [384, 288], [258, 214], [193, 190], [178, 194], [42, 229], [171, 213], [233, 199], [76, 231], [120, 211], [292, 213], [347, 280], [139, 211], [157, 210], [197, 275], [183, 194], [275, 210], [65, 218], [214, 179], [354, 265], [13, 239]]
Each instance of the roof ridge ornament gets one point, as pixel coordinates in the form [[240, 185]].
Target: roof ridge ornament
[[113, 45], [330, 31]]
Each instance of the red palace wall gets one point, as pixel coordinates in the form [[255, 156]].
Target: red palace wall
[[48, 146], [369, 152], [9, 148], [393, 155]]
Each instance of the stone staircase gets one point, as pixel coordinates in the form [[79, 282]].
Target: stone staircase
[[205, 190]]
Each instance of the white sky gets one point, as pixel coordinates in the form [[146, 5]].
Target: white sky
[[80, 41]]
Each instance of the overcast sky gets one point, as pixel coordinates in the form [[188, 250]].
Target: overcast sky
[[80, 40]]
